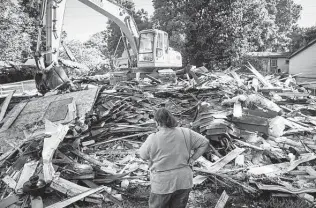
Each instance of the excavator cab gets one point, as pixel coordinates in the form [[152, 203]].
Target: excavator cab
[[154, 50]]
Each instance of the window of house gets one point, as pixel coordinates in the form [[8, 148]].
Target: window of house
[[287, 61], [274, 63], [166, 44]]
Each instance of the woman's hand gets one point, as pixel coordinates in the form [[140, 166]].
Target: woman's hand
[[191, 162]]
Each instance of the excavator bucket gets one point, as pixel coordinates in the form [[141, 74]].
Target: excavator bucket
[[55, 78]]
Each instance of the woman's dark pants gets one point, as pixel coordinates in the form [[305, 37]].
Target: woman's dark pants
[[177, 199]]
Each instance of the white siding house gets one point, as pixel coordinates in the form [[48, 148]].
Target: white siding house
[[273, 62], [303, 61]]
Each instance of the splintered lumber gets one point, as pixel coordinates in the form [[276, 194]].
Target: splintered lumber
[[106, 163], [6, 202], [122, 138], [12, 115], [222, 200], [248, 189], [153, 79], [281, 167], [259, 76], [9, 181], [285, 189], [69, 188], [28, 171], [76, 198], [248, 145], [105, 193], [5, 105], [237, 78], [225, 160], [199, 179], [57, 132]]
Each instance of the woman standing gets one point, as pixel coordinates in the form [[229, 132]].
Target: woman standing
[[169, 154]]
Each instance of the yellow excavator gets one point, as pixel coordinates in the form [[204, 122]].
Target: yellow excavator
[[144, 51]]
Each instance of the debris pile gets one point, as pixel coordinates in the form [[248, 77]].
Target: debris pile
[[81, 147]]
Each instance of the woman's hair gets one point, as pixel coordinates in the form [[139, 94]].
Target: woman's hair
[[165, 118]]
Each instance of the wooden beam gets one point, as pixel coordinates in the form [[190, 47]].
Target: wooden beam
[[225, 160], [11, 117], [222, 200], [259, 76], [69, 201], [9, 200], [5, 105]]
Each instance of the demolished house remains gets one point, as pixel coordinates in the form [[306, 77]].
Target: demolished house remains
[[80, 147]]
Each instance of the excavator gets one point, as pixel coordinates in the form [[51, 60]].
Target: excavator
[[145, 50]]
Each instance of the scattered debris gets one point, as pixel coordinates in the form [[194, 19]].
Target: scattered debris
[[82, 145]]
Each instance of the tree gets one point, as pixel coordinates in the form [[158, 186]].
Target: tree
[[301, 37], [14, 39], [219, 32], [31, 10], [114, 33], [99, 41]]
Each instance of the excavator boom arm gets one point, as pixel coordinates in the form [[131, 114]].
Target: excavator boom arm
[[54, 17]]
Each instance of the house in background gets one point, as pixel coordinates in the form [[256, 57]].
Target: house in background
[[272, 62], [303, 63]]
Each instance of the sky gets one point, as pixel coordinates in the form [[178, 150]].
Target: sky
[[80, 21]]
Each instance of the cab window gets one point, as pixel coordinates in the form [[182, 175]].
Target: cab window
[[166, 42], [146, 43]]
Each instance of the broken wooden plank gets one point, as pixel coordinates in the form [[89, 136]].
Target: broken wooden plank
[[285, 189], [153, 79], [107, 164], [69, 188], [225, 160], [248, 145], [28, 171], [106, 193], [5, 105], [9, 181], [199, 179], [259, 76], [57, 132], [222, 200], [237, 78], [11, 117], [248, 189], [69, 201], [9, 201], [310, 171], [281, 167]]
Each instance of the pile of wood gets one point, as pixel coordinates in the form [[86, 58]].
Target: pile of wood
[[262, 133]]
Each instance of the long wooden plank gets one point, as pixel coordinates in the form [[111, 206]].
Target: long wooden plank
[[225, 160], [281, 167], [259, 76], [75, 198], [9, 200], [11, 117], [5, 105], [222, 200], [285, 189]]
